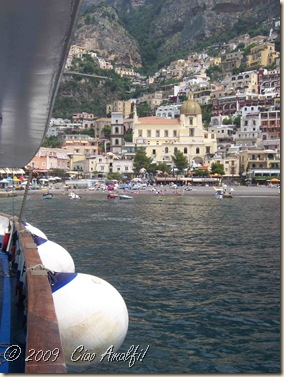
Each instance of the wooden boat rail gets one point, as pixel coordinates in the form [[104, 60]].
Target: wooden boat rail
[[43, 334]]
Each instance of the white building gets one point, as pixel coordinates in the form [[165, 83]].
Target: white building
[[249, 134], [168, 111]]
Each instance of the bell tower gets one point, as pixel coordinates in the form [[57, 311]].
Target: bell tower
[[117, 132]]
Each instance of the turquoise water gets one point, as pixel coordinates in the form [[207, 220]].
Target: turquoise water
[[200, 276]]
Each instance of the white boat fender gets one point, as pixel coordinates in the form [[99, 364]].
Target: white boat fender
[[92, 316], [34, 230], [53, 256]]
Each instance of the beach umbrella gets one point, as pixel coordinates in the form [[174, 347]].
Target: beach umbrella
[[275, 180]]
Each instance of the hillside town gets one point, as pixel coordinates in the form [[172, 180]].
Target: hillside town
[[242, 133]]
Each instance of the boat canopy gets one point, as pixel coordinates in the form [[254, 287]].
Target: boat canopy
[[35, 36]]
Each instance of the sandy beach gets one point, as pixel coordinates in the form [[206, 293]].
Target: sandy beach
[[165, 191]]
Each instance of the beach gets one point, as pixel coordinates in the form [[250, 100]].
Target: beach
[[164, 191]]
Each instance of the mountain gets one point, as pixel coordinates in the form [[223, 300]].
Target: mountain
[[151, 33]]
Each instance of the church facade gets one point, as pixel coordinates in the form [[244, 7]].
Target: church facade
[[162, 138]]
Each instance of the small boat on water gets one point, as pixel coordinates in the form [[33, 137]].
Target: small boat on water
[[112, 196], [218, 194], [47, 195], [125, 197], [227, 195], [221, 193], [73, 196]]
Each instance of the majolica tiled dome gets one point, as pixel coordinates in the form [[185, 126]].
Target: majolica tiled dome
[[190, 107]]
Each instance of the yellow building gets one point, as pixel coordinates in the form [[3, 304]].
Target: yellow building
[[163, 137], [262, 55], [123, 107], [251, 159]]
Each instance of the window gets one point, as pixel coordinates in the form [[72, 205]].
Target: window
[[190, 121], [197, 151], [116, 130], [116, 142], [140, 133], [166, 133], [166, 150], [148, 133], [185, 150], [154, 151], [208, 150], [212, 136], [175, 133], [175, 150], [157, 133], [191, 132]]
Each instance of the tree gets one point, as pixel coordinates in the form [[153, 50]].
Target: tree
[[227, 121], [201, 172], [217, 168], [114, 175], [59, 172], [106, 131], [52, 142], [141, 161], [237, 120], [128, 137], [164, 168], [180, 161], [143, 109]]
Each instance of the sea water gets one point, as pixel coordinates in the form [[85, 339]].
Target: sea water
[[200, 276]]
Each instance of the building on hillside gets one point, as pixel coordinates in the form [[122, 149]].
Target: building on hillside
[[80, 117], [83, 144], [244, 82], [162, 137], [263, 55], [56, 131], [100, 123], [74, 51], [270, 123], [224, 135], [153, 99], [231, 60], [228, 105], [233, 43], [47, 160], [168, 111], [74, 158], [123, 166], [261, 176], [274, 144], [253, 158], [249, 134], [119, 106], [268, 81], [98, 164], [230, 163], [125, 71]]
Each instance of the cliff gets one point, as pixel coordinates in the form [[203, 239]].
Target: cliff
[[139, 32]]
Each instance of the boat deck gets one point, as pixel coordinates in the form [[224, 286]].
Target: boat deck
[[12, 320]]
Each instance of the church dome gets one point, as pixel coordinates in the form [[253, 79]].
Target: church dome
[[190, 107]]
